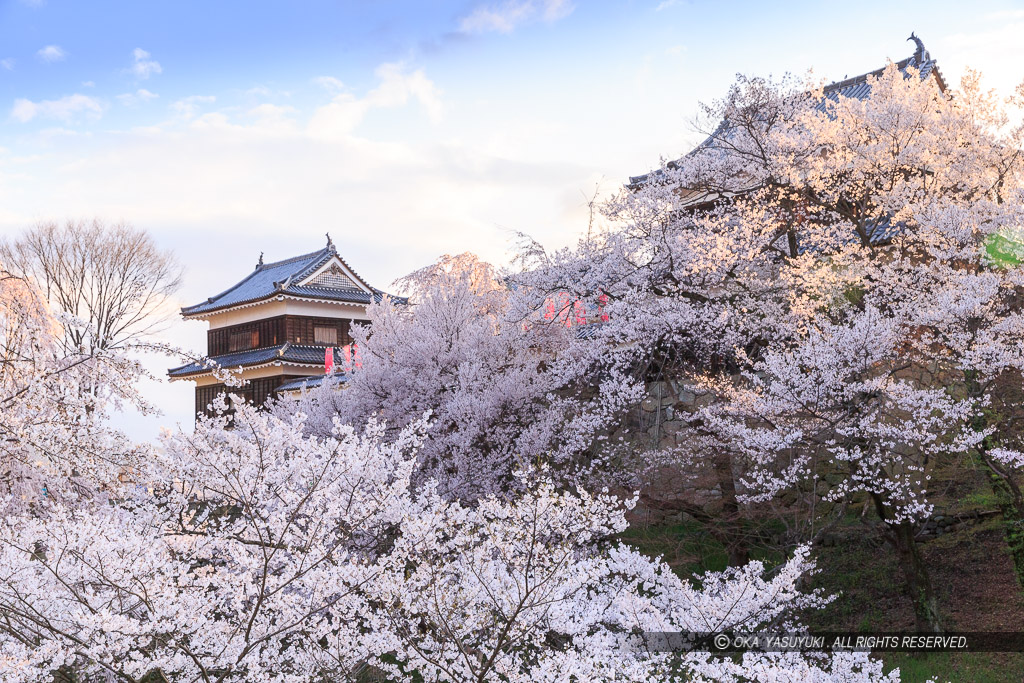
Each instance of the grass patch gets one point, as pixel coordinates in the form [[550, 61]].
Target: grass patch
[[863, 575], [957, 667], [1003, 252], [690, 550], [686, 546]]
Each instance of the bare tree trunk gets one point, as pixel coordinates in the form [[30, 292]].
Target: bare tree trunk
[[1011, 505], [736, 543], [916, 581], [726, 526], [1004, 485]]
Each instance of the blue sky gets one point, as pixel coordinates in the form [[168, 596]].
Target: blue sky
[[405, 129]]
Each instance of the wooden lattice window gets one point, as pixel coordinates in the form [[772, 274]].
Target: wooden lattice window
[[258, 391], [243, 340], [325, 335]]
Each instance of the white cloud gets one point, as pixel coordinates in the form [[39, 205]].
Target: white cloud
[[397, 86], [220, 187], [1005, 15], [188, 107], [507, 16], [65, 109], [140, 95], [997, 46], [275, 119], [144, 67], [665, 4], [7, 64], [329, 83], [52, 53], [33, 3], [88, 84]]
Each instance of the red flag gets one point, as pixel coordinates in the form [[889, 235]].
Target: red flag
[[579, 312], [328, 360]]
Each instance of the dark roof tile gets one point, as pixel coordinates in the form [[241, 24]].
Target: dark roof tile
[[857, 87], [286, 353], [270, 279], [307, 382]]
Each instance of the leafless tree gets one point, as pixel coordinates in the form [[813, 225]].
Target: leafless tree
[[112, 278]]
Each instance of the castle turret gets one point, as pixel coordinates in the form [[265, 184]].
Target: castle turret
[[276, 325]]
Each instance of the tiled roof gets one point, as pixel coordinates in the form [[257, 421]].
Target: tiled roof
[[270, 279], [880, 231], [589, 331], [857, 87], [307, 382], [286, 353]]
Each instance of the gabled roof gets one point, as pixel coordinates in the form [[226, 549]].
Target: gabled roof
[[294, 354], [290, 277], [857, 87]]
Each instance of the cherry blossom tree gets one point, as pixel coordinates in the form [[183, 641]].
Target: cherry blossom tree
[[532, 591], [824, 266], [485, 376], [239, 551], [55, 442], [256, 553], [252, 550]]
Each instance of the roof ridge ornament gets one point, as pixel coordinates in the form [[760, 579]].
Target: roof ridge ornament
[[287, 278], [330, 243], [921, 55], [259, 263]]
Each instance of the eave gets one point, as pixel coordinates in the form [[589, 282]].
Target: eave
[[277, 296]]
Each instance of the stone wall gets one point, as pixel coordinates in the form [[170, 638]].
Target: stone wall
[[670, 491]]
